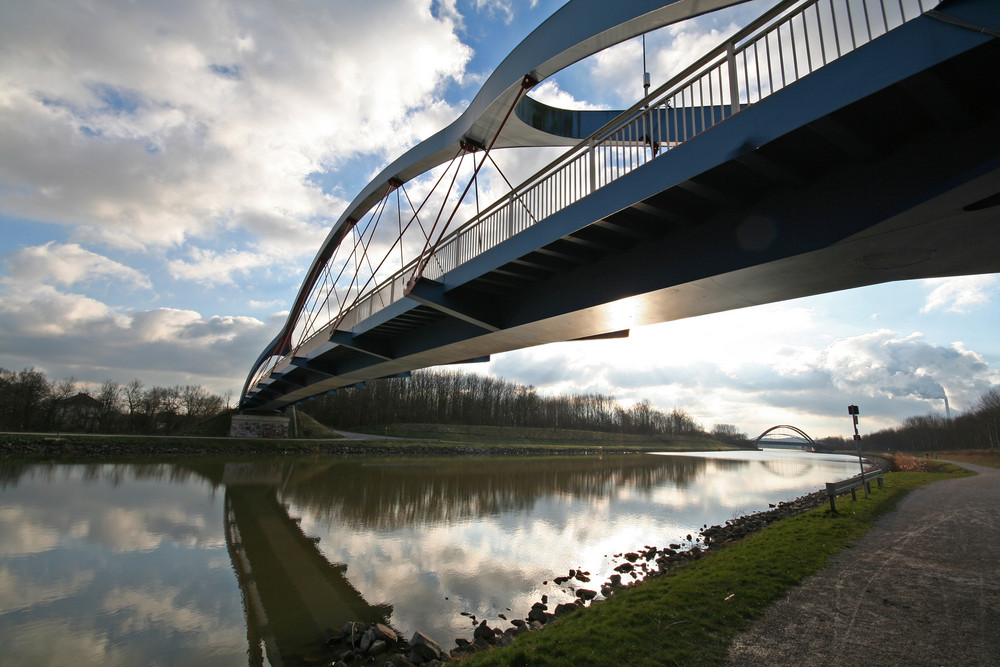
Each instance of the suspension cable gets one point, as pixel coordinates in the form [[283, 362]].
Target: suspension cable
[[416, 213], [444, 203], [373, 225], [526, 83], [399, 225], [359, 257], [310, 320], [516, 198], [394, 183]]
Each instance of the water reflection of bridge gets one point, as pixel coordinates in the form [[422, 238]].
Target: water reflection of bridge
[[291, 593], [788, 469]]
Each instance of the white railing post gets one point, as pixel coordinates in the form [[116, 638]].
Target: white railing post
[[592, 152], [510, 215], [734, 85]]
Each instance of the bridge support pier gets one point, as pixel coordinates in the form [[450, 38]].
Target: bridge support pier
[[248, 425]]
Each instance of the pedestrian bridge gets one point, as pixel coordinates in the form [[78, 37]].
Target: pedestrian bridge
[[829, 144], [784, 436]]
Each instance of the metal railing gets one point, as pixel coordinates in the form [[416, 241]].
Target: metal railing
[[788, 42]]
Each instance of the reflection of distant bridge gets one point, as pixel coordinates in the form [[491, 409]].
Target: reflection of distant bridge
[[784, 436]]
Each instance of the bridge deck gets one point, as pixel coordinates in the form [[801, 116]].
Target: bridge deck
[[882, 165]]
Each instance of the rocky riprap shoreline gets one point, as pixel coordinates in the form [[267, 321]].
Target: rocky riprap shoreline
[[376, 644]]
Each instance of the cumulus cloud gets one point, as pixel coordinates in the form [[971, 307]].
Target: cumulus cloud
[[679, 45], [69, 334], [68, 264], [188, 137], [885, 363], [144, 129], [47, 321], [40, 311], [209, 267], [757, 379]]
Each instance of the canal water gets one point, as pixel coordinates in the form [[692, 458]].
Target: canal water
[[246, 562]]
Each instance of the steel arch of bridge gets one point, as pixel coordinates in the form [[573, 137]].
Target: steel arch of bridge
[[807, 441], [728, 111], [579, 29]]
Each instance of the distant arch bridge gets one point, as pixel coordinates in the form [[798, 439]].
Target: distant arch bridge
[[784, 436], [827, 145]]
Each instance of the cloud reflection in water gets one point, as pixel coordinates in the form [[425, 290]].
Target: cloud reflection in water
[[129, 564]]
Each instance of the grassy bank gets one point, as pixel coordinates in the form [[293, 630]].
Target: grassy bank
[[981, 457], [558, 437], [690, 615]]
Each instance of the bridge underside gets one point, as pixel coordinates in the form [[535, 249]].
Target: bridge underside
[[856, 175]]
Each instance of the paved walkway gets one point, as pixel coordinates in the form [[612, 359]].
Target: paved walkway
[[921, 588]]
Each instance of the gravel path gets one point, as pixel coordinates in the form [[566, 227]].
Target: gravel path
[[921, 588]]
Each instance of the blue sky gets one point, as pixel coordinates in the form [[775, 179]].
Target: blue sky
[[167, 172]]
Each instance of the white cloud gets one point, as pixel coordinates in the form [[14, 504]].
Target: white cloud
[[39, 311], [145, 128], [263, 305], [960, 295], [548, 92], [69, 264], [69, 334], [681, 44], [781, 363], [502, 8], [191, 135], [214, 268], [885, 363]]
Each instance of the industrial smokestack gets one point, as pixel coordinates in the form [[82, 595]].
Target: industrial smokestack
[[947, 408]]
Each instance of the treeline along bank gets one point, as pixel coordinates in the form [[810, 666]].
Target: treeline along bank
[[29, 401], [445, 397]]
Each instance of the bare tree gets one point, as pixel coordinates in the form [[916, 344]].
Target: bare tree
[[110, 398], [30, 394], [133, 400], [61, 391], [729, 433]]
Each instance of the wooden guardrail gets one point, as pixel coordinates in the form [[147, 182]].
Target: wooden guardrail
[[834, 489]]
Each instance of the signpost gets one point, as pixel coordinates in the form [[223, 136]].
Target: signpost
[[853, 411]]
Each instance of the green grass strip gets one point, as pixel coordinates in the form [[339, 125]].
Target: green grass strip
[[691, 615]]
